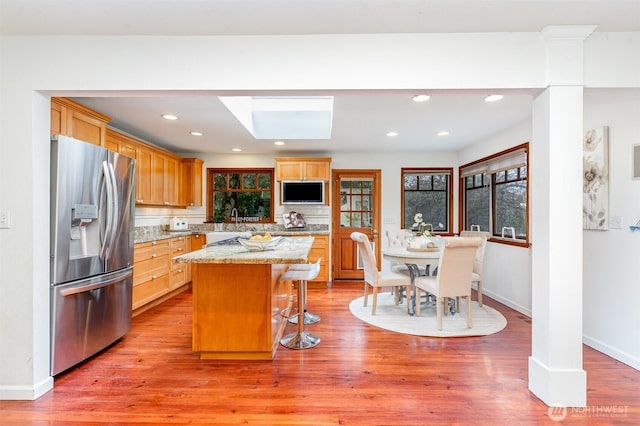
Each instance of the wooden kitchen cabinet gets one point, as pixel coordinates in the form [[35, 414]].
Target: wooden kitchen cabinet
[[73, 119], [179, 273], [158, 172], [303, 168], [191, 182], [319, 250], [155, 277], [151, 266]]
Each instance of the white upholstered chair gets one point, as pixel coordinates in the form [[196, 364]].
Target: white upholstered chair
[[398, 238], [372, 276], [455, 267], [479, 261]]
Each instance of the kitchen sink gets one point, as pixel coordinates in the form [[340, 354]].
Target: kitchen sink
[[216, 236]]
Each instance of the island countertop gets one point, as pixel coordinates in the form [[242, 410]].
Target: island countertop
[[289, 250]]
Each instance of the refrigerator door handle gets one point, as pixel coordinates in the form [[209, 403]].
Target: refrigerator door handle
[[104, 253], [103, 283], [115, 208]]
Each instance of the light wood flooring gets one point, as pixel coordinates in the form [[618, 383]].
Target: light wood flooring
[[358, 375]]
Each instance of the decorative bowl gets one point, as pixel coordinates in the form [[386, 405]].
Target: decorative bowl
[[254, 245]]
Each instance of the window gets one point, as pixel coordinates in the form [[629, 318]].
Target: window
[[427, 191], [495, 194], [356, 203], [248, 190]]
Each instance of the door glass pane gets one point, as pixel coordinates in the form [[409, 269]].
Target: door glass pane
[[355, 199], [366, 203], [367, 220], [356, 220]]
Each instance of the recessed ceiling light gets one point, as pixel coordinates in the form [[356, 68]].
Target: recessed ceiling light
[[236, 149], [493, 98], [278, 143], [169, 117], [392, 133], [443, 133], [195, 133], [421, 98]]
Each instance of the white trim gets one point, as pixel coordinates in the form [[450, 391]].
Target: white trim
[[26, 393], [614, 353]]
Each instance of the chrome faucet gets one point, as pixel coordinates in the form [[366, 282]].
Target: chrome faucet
[[234, 216]]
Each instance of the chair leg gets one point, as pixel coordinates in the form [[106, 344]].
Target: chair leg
[[375, 301], [469, 319], [479, 293], [439, 311], [418, 301], [366, 293]]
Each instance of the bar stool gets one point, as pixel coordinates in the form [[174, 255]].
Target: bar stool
[[301, 339], [309, 318]]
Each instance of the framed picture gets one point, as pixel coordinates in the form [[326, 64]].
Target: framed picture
[[595, 188], [636, 161]]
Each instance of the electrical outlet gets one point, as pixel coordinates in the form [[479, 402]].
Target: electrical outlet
[[5, 219], [615, 222]]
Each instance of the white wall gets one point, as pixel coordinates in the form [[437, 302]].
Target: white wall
[[507, 269], [611, 279], [95, 65]]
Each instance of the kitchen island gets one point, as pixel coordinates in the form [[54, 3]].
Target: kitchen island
[[237, 298]]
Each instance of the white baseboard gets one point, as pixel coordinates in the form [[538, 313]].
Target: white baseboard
[[523, 310], [614, 353], [26, 393]]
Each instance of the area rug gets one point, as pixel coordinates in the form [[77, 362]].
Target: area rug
[[392, 317]]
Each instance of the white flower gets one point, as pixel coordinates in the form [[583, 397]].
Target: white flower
[[417, 218]]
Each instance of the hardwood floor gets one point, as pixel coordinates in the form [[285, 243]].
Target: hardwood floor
[[358, 375]]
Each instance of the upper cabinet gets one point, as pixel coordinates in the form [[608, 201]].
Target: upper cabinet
[[70, 118], [191, 182], [160, 178], [303, 168]]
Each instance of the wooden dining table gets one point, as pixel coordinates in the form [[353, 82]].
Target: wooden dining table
[[413, 258]]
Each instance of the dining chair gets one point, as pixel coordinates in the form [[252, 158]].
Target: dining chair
[[455, 267], [476, 277], [372, 276]]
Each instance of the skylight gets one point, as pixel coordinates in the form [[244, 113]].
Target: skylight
[[283, 117]]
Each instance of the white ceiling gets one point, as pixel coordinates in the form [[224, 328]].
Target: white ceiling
[[361, 120]]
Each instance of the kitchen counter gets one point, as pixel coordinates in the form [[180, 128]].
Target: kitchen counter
[[238, 298], [289, 250], [151, 233]]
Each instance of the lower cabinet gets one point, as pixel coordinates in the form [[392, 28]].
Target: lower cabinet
[[319, 250], [155, 277]]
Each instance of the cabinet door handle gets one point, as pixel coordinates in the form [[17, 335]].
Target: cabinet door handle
[[153, 277], [154, 255]]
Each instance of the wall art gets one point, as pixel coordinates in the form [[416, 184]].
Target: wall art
[[595, 209]]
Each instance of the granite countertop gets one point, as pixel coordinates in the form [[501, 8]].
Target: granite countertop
[[289, 250], [145, 235]]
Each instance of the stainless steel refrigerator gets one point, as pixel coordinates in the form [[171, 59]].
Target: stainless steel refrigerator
[[92, 237]]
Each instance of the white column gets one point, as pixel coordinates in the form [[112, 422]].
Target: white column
[[556, 375]]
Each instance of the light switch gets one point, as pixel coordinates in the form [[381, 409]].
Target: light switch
[[615, 222], [5, 219]]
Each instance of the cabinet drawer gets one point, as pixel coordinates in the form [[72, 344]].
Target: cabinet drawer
[[178, 246], [149, 290], [146, 270], [178, 275], [150, 250]]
